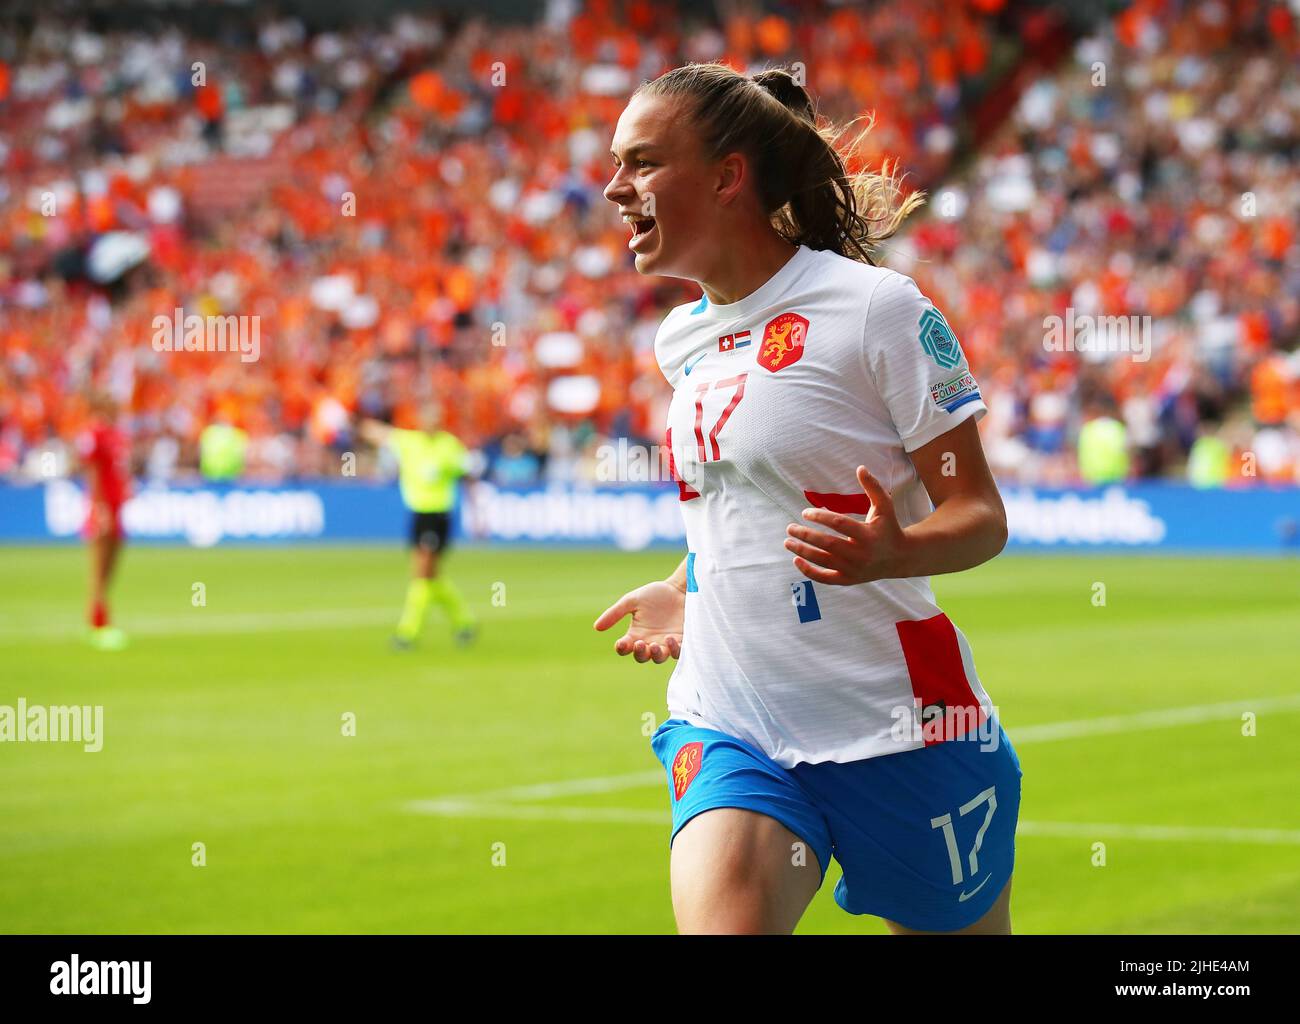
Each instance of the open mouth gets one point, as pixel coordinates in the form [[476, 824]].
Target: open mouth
[[641, 230]]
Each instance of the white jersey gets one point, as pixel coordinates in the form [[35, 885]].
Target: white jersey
[[777, 399]]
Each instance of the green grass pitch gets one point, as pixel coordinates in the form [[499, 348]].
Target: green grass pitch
[[223, 725]]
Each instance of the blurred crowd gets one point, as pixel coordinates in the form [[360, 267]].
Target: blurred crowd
[[1157, 175], [415, 211]]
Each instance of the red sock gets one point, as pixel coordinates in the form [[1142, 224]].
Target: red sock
[[99, 614]]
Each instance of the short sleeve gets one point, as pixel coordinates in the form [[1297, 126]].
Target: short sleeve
[[398, 442], [917, 363], [457, 456]]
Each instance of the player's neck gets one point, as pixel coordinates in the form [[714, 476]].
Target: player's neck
[[744, 268]]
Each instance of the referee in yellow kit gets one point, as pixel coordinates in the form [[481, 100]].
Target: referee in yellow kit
[[430, 462]]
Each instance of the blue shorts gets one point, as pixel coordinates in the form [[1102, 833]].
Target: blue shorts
[[926, 837]]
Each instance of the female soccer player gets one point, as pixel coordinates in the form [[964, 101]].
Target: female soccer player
[[104, 453], [821, 704]]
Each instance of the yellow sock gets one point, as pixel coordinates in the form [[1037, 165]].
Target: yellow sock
[[447, 597], [417, 602]]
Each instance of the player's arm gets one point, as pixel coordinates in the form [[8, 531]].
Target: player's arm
[[94, 485], [968, 525], [374, 432], [678, 576], [658, 611], [915, 365], [84, 464]]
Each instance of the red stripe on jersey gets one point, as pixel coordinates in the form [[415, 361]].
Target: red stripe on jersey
[[936, 670], [684, 493], [700, 388], [853, 504]]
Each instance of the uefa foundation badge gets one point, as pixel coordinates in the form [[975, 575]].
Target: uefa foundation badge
[[783, 339]]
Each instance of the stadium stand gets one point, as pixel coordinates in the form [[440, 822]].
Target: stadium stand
[[403, 225]]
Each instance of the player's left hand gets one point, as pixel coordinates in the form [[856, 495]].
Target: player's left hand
[[860, 550]]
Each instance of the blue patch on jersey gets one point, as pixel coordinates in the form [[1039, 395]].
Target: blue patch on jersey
[[704, 304], [805, 601], [962, 401], [937, 339], [691, 586]]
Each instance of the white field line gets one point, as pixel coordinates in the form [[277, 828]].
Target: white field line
[[1162, 719], [1167, 833], [202, 621], [538, 812], [1044, 733], [510, 802], [571, 787]]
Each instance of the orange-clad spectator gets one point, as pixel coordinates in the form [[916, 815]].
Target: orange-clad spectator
[[209, 102], [740, 35], [1277, 235], [1270, 391], [943, 67], [1255, 331], [1128, 25], [584, 31], [642, 17], [972, 53], [773, 35]]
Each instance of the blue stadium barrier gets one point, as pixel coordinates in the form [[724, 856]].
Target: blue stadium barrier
[[1139, 517]]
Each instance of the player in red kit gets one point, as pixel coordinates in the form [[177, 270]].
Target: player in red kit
[[104, 453]]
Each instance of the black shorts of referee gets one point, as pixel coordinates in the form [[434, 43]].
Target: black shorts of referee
[[430, 530]]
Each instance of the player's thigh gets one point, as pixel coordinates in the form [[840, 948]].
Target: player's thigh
[[737, 871], [113, 548], [103, 546], [996, 921], [424, 562], [428, 538]]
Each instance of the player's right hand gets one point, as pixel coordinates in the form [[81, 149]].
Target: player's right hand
[[657, 610]]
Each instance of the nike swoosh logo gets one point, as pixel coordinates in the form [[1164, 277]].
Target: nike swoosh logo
[[967, 895], [691, 363]]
